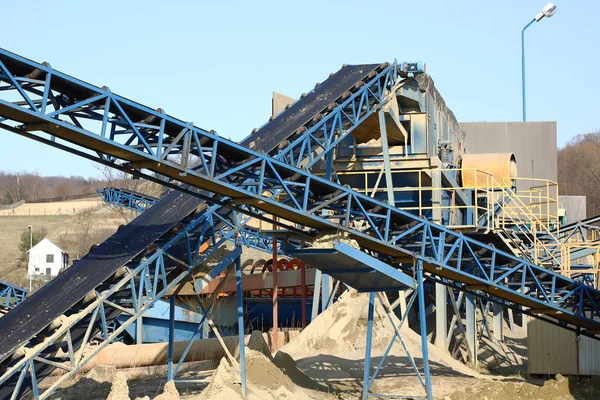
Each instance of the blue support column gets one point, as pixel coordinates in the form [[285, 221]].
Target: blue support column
[[423, 326], [366, 376], [240, 313], [171, 337], [498, 322], [471, 329]]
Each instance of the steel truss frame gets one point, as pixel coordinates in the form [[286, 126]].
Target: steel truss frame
[[140, 203], [104, 123], [133, 294], [11, 295], [425, 379], [126, 199]]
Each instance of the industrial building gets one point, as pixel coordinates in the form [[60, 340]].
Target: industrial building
[[366, 184]]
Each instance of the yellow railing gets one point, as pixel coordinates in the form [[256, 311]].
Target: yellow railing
[[540, 201], [483, 186], [530, 211]]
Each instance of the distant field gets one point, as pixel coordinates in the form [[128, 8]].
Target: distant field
[[57, 208], [62, 230]]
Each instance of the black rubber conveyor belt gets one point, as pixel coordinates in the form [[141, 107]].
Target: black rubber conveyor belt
[[60, 294]]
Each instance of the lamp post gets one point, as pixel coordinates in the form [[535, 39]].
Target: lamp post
[[548, 11], [30, 246]]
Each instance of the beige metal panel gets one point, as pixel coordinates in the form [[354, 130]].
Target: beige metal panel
[[533, 143], [551, 349], [589, 356], [279, 103]]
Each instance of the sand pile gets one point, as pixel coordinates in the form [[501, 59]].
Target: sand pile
[[169, 392], [265, 380], [119, 389], [553, 389], [341, 331], [326, 240], [559, 388]]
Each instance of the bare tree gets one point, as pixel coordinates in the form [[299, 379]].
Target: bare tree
[[122, 180], [579, 169]]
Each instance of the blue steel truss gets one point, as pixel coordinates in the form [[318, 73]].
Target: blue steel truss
[[11, 295], [117, 131], [139, 202], [138, 288], [366, 100], [134, 201]]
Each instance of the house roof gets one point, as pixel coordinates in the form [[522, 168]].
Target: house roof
[[46, 240]]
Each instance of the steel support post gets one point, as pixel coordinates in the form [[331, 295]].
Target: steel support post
[[171, 337], [471, 329], [436, 197], [326, 291], [139, 330], [367, 371], [441, 315], [497, 328], [240, 316], [303, 294], [387, 164], [274, 294], [316, 295], [423, 326]]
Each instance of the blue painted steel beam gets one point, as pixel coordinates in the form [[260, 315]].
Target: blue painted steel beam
[[303, 197], [127, 199], [11, 295]]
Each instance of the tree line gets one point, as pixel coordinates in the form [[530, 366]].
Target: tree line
[[31, 186], [579, 170]]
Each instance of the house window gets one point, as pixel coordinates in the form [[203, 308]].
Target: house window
[[48, 271], [49, 258], [37, 269]]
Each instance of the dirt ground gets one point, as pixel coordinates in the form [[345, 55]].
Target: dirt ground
[[71, 207], [326, 362]]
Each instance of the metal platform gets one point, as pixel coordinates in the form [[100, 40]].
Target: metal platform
[[355, 268]]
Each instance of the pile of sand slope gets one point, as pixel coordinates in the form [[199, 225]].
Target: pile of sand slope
[[341, 330], [266, 377]]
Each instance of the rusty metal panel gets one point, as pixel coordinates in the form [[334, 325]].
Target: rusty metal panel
[[499, 165], [589, 356], [551, 349]]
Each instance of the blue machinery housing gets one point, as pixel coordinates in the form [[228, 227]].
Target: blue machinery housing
[[275, 172]]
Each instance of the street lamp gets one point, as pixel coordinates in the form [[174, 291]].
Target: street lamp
[[548, 11], [30, 246]]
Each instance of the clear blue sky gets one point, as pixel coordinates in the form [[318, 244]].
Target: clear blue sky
[[216, 63]]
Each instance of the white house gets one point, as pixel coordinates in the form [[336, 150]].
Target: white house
[[46, 259]]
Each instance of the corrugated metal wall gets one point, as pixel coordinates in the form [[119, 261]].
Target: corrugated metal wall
[[589, 356], [553, 350]]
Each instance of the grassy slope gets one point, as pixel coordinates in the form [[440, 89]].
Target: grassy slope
[[62, 230]]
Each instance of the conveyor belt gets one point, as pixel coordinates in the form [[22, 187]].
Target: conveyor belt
[[64, 291], [60, 294]]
